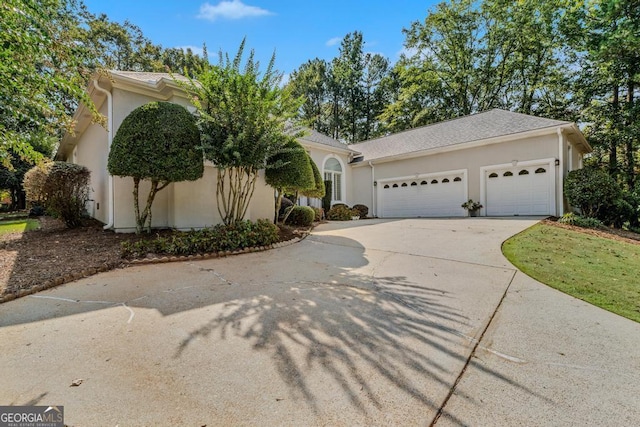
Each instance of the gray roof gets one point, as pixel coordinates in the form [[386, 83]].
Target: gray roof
[[476, 127], [320, 138], [153, 78]]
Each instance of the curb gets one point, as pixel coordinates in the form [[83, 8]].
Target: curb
[[71, 277]]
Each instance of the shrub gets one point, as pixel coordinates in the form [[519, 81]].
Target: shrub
[[318, 191], [363, 211], [240, 235], [580, 221], [301, 215], [593, 191], [62, 187], [318, 214], [341, 212]]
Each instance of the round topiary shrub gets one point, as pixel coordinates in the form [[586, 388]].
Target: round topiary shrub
[[301, 215], [363, 211]]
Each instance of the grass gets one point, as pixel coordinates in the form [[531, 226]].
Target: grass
[[19, 226], [601, 271]]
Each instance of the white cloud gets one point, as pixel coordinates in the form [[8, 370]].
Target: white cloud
[[233, 9], [333, 41], [195, 49]]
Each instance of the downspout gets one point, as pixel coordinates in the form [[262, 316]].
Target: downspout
[[373, 190], [560, 202], [109, 224]]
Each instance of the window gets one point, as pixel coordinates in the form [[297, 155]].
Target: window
[[395, 185], [523, 172], [414, 183], [434, 181], [457, 179], [333, 173], [493, 175], [507, 173], [386, 186], [445, 180], [541, 170], [404, 184], [423, 183]]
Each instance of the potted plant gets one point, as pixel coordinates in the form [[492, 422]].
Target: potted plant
[[472, 207]]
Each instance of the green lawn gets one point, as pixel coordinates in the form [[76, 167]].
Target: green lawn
[[19, 226], [601, 271]]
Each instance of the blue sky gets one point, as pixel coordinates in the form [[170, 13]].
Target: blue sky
[[298, 30]]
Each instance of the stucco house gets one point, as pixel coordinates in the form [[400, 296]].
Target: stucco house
[[512, 163]]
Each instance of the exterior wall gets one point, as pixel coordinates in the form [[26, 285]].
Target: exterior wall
[[471, 159], [91, 151], [362, 188], [192, 204]]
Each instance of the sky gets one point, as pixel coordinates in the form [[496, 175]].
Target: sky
[[297, 30]]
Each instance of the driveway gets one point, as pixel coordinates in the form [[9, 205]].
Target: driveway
[[373, 322]]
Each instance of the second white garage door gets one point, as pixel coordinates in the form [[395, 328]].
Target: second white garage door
[[424, 196], [521, 190]]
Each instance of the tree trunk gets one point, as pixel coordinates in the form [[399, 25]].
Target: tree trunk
[[613, 143], [630, 137]]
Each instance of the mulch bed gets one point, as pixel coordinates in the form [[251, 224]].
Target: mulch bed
[[54, 254]]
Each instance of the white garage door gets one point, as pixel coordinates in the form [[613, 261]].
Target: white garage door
[[427, 196], [520, 190]]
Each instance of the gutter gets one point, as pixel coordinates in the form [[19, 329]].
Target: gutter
[[109, 224], [560, 172], [373, 190]]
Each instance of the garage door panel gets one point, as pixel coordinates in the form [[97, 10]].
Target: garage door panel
[[519, 191], [423, 197]]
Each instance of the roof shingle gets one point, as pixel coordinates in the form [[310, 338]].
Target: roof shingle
[[476, 127]]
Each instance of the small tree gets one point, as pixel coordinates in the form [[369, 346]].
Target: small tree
[[62, 187], [326, 200], [289, 170], [158, 141], [243, 113], [317, 191]]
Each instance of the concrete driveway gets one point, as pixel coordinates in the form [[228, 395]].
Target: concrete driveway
[[363, 323]]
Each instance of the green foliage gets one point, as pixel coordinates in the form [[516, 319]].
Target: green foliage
[[363, 210], [159, 142], [592, 191], [42, 75], [341, 212], [470, 205], [301, 215], [243, 234], [326, 200], [580, 221], [242, 113], [344, 97], [289, 170], [62, 187], [317, 191]]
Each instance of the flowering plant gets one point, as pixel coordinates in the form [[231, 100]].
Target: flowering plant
[[471, 205]]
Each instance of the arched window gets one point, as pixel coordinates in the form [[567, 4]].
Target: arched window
[[541, 170], [414, 183], [434, 181], [404, 184], [523, 172], [507, 173], [457, 179], [333, 173], [445, 180], [386, 186], [493, 175], [395, 185], [423, 183]]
